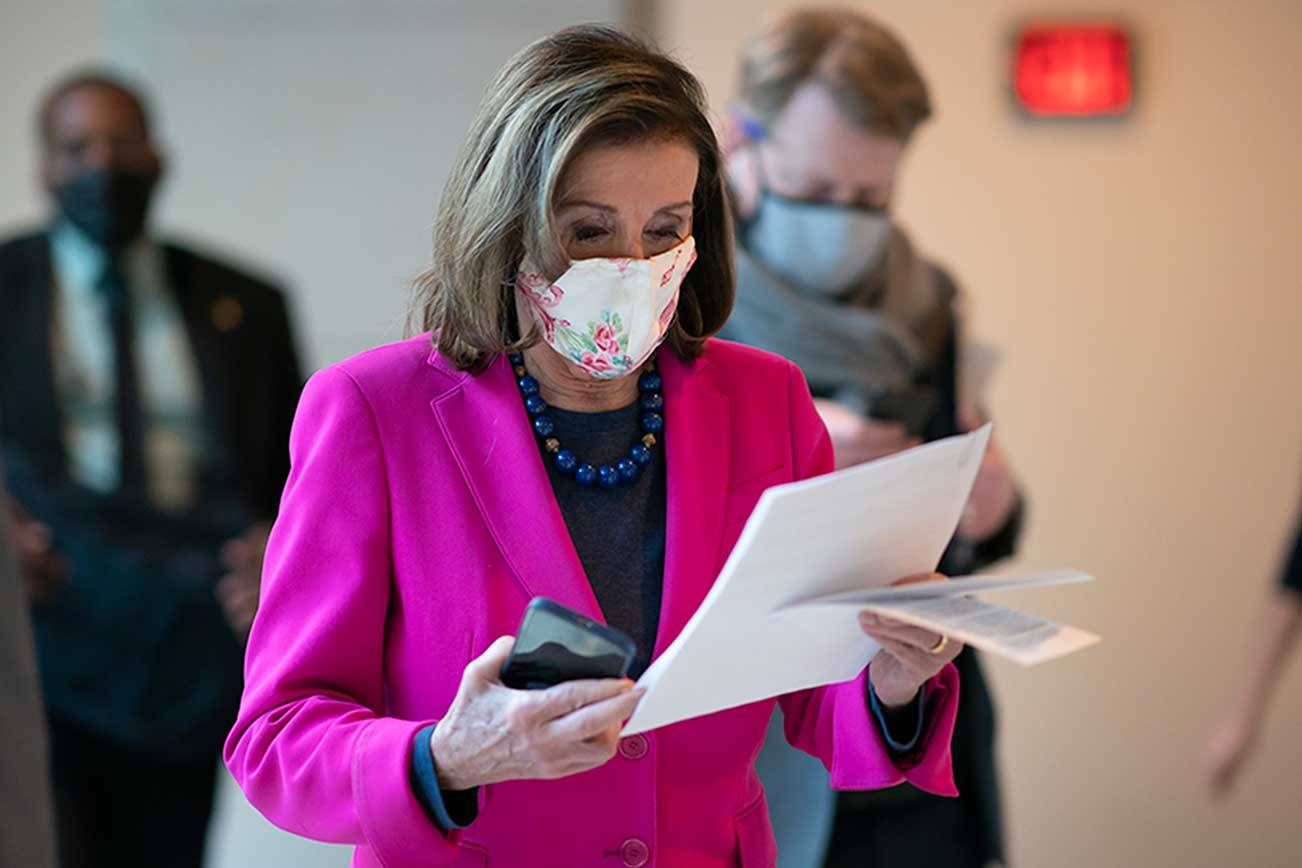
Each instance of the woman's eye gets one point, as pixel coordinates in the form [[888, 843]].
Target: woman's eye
[[588, 233], [666, 233]]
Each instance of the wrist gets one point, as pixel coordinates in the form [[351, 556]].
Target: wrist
[[893, 697], [449, 777], [896, 701]]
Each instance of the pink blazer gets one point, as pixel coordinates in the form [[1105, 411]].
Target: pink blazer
[[417, 523]]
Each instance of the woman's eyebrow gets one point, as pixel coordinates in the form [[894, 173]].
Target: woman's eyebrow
[[610, 209], [587, 203]]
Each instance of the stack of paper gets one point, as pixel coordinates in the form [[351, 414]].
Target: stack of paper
[[783, 614]]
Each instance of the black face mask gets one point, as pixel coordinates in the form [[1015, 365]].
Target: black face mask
[[109, 205]]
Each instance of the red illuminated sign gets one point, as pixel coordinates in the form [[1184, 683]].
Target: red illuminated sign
[[1073, 70]]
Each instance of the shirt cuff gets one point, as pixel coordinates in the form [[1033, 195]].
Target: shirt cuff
[[449, 809], [912, 724]]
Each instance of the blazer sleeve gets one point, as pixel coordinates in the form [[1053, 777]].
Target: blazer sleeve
[[311, 747], [834, 723]]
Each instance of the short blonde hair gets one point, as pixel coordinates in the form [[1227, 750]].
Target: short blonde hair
[[865, 67], [582, 86]]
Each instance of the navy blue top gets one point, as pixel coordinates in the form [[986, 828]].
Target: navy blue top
[[619, 533]]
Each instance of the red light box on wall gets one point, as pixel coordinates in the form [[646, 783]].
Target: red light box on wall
[[1073, 70]]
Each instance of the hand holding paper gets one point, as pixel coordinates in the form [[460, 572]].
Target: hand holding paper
[[783, 614], [911, 654]]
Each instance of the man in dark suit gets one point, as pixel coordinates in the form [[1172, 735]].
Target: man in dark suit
[[146, 395]]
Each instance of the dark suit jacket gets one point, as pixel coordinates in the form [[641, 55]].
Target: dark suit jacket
[[135, 647]]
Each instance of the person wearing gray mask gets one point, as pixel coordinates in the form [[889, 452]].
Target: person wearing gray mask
[[828, 103], [823, 249]]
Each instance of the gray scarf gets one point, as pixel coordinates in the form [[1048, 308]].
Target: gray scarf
[[871, 349]]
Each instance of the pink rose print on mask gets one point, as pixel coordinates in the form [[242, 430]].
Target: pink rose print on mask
[[669, 272], [667, 315], [540, 293], [542, 317], [673, 267], [594, 362], [540, 289], [605, 339], [548, 324]]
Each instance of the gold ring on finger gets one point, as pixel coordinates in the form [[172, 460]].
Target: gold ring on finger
[[940, 645]]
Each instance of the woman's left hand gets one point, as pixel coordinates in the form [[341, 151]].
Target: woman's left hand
[[910, 655]]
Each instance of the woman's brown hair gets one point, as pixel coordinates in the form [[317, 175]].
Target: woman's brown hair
[[580, 87]]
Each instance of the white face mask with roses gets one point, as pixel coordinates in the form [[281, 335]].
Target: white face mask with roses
[[607, 315]]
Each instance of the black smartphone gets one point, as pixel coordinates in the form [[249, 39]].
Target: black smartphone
[[555, 644]]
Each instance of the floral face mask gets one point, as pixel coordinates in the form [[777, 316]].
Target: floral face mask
[[607, 315]]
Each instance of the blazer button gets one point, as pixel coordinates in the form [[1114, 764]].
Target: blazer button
[[635, 853], [633, 748]]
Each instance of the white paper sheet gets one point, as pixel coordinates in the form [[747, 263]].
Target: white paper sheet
[[1027, 639], [961, 585], [783, 614], [862, 527]]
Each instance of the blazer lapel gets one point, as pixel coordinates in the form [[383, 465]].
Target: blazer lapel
[[488, 431], [697, 440]]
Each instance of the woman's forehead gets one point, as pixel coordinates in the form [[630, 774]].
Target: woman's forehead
[[608, 174]]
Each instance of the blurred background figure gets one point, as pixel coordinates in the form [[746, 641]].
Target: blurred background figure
[[26, 810], [146, 392], [1275, 632], [828, 103]]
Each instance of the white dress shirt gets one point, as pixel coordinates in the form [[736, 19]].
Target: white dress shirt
[[170, 391]]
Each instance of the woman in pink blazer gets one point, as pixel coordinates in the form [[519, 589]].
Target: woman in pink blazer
[[567, 429]]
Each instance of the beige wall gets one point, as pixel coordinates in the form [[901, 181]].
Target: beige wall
[[39, 40], [1142, 278]]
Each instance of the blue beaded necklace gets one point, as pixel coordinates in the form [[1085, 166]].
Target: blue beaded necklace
[[623, 472]]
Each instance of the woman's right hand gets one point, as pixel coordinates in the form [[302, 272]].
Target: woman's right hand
[[493, 733]]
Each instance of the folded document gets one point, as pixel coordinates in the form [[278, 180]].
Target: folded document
[[783, 614]]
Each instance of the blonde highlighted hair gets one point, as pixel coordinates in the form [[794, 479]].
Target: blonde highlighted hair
[[566, 92], [863, 65]]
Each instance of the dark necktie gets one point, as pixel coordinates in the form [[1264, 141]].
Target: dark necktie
[[128, 413]]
